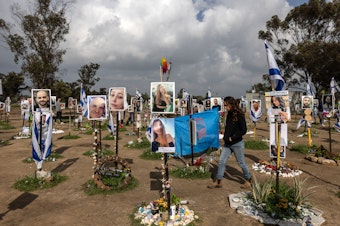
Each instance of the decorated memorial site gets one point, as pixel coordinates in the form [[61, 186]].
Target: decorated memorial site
[[72, 155]]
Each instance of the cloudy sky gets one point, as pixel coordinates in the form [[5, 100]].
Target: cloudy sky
[[211, 43]]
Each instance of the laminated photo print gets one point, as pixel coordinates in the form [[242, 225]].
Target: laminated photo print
[[70, 103], [162, 97], [283, 140], [306, 102], [97, 107], [277, 105], [216, 102], [163, 135], [117, 99], [327, 102], [62, 105], [41, 100]]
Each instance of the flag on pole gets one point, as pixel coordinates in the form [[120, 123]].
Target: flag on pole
[[275, 76], [111, 126], [185, 95], [310, 88], [334, 87], [41, 137], [138, 95], [83, 100], [301, 122], [209, 94]]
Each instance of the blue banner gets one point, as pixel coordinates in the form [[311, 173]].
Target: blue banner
[[205, 132]]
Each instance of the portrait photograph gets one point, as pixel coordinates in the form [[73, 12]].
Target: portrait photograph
[[162, 97], [315, 102], [277, 105], [306, 102], [274, 151], [74, 103], [216, 102], [70, 103], [79, 109], [163, 135], [117, 99], [41, 100], [283, 140], [2, 106], [96, 106], [25, 106], [62, 105], [327, 102]]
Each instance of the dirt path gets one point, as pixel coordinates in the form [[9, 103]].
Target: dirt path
[[67, 204]]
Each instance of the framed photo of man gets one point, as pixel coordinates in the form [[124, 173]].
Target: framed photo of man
[[62, 105], [162, 97], [70, 103], [117, 99], [96, 107], [41, 100], [216, 102], [74, 103], [307, 102], [79, 109]]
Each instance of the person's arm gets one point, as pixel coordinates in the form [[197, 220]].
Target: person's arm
[[242, 129]]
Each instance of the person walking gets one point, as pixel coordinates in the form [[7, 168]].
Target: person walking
[[235, 128], [58, 110]]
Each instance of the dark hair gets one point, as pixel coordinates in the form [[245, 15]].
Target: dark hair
[[235, 108]]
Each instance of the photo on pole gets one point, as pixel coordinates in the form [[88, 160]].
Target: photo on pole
[[117, 99], [283, 141], [307, 102], [97, 107], [41, 100], [163, 135], [277, 105], [162, 97]]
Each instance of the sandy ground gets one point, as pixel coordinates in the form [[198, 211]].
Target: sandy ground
[[67, 204]]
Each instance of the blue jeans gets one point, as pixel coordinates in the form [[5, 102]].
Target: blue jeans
[[238, 150]]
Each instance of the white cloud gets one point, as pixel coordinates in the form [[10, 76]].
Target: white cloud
[[211, 43]]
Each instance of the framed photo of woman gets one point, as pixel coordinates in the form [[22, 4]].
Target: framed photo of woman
[[162, 97]]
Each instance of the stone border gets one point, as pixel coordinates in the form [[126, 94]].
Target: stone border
[[322, 160]]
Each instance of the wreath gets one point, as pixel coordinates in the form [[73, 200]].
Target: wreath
[[112, 166]]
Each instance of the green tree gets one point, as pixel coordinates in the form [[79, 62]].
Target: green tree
[[87, 74], [306, 43], [37, 44], [12, 84]]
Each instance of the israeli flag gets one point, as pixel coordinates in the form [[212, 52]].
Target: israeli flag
[[310, 88], [255, 116], [334, 86], [41, 137], [83, 101], [277, 81], [301, 122], [111, 126]]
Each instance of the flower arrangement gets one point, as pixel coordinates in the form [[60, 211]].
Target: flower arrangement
[[269, 167]]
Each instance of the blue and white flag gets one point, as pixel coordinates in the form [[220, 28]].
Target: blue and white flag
[[337, 126], [255, 116], [275, 76], [185, 95], [41, 137], [138, 95], [83, 101], [209, 94], [111, 126], [310, 89], [334, 87], [301, 122]]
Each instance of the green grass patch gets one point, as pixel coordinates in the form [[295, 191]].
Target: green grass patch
[[256, 145], [90, 187], [109, 137], [191, 172], [148, 155], [301, 148], [143, 143], [6, 126], [29, 183], [51, 158]]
